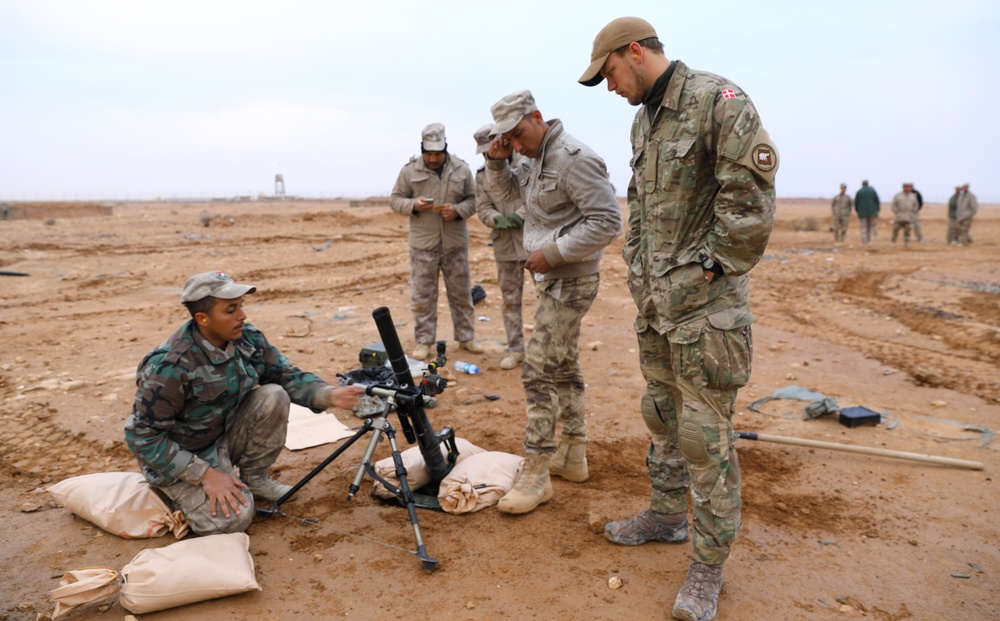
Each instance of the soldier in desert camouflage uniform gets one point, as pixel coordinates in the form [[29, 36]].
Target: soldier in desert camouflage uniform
[[571, 214], [842, 206], [438, 193], [506, 219], [701, 210], [904, 213], [212, 398]]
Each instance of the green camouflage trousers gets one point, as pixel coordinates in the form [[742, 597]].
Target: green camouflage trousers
[[688, 408], [510, 278], [424, 268], [252, 442], [551, 374]]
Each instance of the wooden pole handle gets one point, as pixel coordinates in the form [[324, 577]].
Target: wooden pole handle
[[867, 450]]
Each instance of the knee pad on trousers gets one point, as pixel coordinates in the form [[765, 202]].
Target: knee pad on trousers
[[651, 415], [693, 443]]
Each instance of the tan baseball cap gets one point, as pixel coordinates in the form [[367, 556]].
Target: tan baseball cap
[[432, 138], [618, 33], [509, 111], [483, 138], [215, 284]]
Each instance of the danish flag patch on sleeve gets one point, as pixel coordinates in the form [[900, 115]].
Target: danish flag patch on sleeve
[[728, 94]]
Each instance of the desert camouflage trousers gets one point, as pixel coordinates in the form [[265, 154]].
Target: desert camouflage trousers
[[424, 268], [688, 408], [252, 441], [962, 228], [551, 374], [869, 228], [510, 278], [905, 227]]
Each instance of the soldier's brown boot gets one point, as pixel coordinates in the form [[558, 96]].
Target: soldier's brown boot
[[698, 598], [264, 487], [648, 526], [532, 488], [570, 463]]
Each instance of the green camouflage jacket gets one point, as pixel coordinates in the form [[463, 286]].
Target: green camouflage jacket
[[702, 186], [188, 389]]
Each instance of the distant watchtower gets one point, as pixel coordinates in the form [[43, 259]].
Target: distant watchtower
[[279, 185]]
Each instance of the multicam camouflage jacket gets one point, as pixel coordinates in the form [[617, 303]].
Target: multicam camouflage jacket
[[187, 391], [702, 188]]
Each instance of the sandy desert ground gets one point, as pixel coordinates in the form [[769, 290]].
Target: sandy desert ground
[[913, 333]]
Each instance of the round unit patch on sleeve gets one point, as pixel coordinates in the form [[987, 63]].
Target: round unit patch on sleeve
[[764, 157]]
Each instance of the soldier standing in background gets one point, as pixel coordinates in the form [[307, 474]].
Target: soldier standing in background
[[867, 204], [950, 235], [916, 218], [438, 192], [904, 211], [571, 214], [842, 207], [966, 208], [506, 221], [701, 210]]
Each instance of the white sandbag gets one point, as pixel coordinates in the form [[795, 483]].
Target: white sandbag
[[186, 572], [479, 481], [121, 503], [416, 470]]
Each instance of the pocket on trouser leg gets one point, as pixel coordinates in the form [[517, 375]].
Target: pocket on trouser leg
[[727, 356]]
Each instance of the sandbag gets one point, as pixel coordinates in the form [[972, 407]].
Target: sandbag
[[186, 572], [479, 481], [121, 503], [416, 470]]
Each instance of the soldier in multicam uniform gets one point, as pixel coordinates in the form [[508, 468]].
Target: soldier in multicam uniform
[[438, 192], [951, 233], [842, 207], [212, 398], [506, 219], [571, 214], [904, 213], [702, 205]]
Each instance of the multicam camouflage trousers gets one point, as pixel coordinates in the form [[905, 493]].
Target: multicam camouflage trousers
[[688, 407], [840, 226], [510, 278], [424, 268], [252, 441], [551, 374]]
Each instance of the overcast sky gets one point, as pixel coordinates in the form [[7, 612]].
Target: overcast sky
[[146, 99]]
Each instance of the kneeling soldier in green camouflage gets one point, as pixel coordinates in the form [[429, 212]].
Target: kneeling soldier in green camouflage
[[212, 398], [701, 209]]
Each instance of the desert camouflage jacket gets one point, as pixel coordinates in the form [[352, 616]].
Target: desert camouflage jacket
[[702, 186], [572, 212], [966, 206], [456, 185], [508, 244], [904, 207], [186, 391]]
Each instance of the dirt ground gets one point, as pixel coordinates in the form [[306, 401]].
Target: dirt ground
[[909, 332]]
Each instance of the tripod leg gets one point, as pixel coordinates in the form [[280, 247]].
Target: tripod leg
[[429, 562], [275, 508], [378, 425]]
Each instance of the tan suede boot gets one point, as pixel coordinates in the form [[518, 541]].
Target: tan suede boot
[[532, 488], [698, 598], [570, 463]]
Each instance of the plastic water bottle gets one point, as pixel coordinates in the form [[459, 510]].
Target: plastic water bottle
[[466, 367]]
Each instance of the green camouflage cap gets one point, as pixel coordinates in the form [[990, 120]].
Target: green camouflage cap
[[483, 137], [618, 33], [509, 111], [432, 138], [215, 284]]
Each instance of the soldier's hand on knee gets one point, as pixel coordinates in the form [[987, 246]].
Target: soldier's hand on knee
[[224, 491]]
